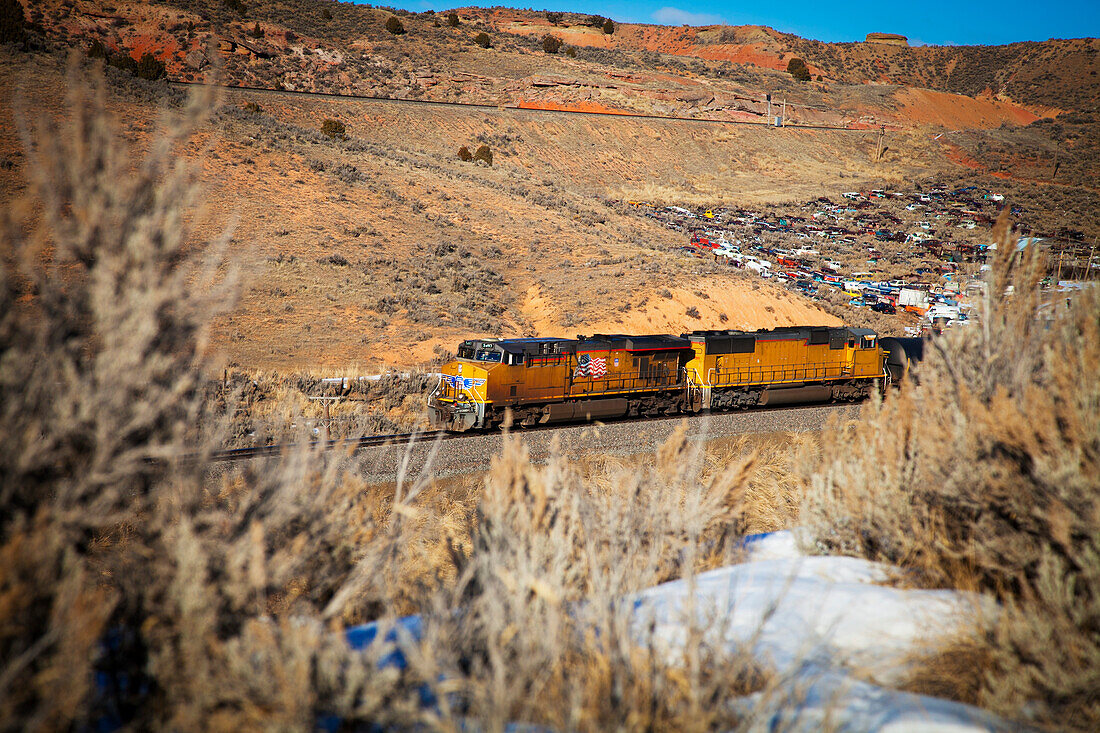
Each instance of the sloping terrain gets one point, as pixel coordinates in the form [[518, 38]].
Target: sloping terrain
[[380, 246], [1058, 73], [722, 72]]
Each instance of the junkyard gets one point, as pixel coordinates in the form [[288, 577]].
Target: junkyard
[[918, 254]]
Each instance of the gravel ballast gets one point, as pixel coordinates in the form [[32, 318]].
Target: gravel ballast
[[469, 454]]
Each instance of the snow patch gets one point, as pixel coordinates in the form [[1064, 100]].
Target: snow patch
[[813, 620]]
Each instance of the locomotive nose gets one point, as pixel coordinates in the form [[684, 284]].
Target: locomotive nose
[[458, 401]]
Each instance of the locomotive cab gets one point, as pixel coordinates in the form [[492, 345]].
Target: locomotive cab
[[486, 376], [460, 399]]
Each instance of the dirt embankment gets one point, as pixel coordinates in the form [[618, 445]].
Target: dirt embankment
[[955, 111], [753, 45]]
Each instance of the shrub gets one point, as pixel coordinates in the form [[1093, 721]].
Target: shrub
[[464, 154], [12, 21], [252, 108], [97, 50], [596, 21], [571, 52], [693, 312], [123, 61], [553, 17], [257, 31], [149, 67], [551, 44], [347, 173], [484, 154], [86, 451], [984, 474], [797, 68], [482, 39], [326, 14], [333, 128], [608, 27], [452, 19], [546, 537], [237, 6], [395, 26]]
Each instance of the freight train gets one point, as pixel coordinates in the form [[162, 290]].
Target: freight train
[[549, 380]]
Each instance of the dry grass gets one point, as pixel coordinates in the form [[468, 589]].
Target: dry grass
[[204, 601], [267, 407], [984, 475], [773, 492]]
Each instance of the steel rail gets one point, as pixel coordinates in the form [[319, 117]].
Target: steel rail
[[367, 441], [370, 441]]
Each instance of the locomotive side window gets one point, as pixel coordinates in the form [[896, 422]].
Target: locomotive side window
[[488, 356], [465, 352]]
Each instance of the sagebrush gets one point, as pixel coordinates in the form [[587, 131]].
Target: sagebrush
[[985, 474]]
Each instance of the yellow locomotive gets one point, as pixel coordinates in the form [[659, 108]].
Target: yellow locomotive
[[546, 380]]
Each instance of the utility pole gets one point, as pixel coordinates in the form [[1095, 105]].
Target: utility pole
[[784, 112], [880, 145], [324, 425], [769, 97]]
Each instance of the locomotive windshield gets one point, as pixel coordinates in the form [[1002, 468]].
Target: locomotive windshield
[[480, 351]]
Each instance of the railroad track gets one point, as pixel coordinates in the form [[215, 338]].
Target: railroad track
[[367, 441], [512, 108], [372, 441]]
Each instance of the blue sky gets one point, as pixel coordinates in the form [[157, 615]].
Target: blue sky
[[937, 22]]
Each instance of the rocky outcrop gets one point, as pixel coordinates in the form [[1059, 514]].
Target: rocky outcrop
[[889, 39]]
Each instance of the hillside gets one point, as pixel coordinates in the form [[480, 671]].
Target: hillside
[[1054, 74], [380, 246], [715, 72]]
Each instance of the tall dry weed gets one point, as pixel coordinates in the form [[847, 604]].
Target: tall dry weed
[[986, 474], [102, 317], [117, 555], [546, 632]]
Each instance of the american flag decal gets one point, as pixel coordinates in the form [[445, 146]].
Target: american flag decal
[[590, 367]]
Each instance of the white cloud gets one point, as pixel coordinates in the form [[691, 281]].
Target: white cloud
[[676, 16]]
